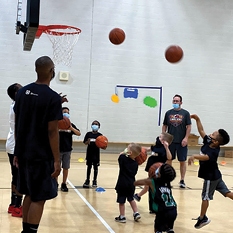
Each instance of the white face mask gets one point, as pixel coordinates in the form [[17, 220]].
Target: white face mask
[[157, 173], [126, 150]]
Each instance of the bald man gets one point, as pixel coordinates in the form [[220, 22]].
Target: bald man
[[37, 111]]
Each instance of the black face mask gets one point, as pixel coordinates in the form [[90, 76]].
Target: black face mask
[[209, 139]]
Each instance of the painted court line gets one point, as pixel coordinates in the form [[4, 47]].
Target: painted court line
[[91, 208]]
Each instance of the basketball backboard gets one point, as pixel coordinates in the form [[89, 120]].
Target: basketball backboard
[[63, 37], [30, 27]]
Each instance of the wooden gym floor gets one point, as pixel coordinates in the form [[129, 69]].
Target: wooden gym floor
[[85, 210]]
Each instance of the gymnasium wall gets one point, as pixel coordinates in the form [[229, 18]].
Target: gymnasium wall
[[204, 77]]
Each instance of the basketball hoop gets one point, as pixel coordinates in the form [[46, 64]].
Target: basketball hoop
[[63, 38]]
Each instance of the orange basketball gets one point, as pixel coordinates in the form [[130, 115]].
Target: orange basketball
[[117, 36], [101, 142], [173, 53], [64, 123], [142, 157], [153, 168]]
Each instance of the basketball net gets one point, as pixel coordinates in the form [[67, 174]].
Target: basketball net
[[63, 39]]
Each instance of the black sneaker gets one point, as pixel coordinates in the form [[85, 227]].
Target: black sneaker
[[136, 197], [94, 183], [120, 219], [86, 184], [182, 184], [202, 222], [64, 188], [136, 216]]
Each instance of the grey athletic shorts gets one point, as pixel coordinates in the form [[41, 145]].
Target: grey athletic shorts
[[65, 159], [209, 187]]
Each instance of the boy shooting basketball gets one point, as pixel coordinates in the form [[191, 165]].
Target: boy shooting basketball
[[125, 183], [161, 154], [208, 169], [163, 203]]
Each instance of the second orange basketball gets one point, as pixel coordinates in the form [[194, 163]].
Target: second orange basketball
[[173, 53], [117, 36], [64, 123], [101, 142]]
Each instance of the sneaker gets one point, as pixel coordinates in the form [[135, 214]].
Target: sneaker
[[170, 231], [136, 197], [86, 184], [17, 212], [10, 209], [136, 216], [182, 184], [94, 183], [120, 219], [64, 188], [202, 222]]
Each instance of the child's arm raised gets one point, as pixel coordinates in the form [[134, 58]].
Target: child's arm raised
[[76, 131], [168, 152], [199, 125]]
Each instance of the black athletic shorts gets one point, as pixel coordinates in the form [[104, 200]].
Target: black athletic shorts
[[165, 220], [35, 180]]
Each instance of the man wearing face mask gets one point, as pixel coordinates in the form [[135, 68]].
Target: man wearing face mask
[[37, 111], [66, 142], [177, 122], [92, 154]]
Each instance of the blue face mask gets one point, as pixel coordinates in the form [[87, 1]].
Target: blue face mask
[[65, 114], [95, 127], [175, 106]]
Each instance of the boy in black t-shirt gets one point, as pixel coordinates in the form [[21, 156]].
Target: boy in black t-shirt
[[163, 204], [92, 154], [161, 154], [65, 143], [125, 183], [208, 169]]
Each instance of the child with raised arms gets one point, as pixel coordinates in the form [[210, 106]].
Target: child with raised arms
[[208, 169], [160, 154]]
